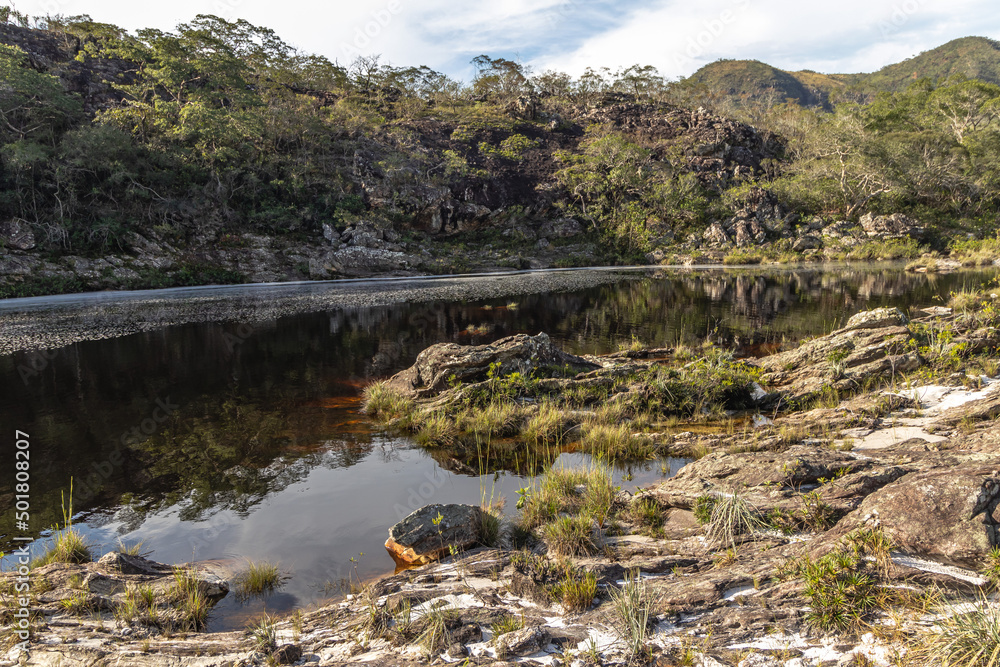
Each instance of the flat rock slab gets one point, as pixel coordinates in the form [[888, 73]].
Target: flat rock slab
[[945, 514]]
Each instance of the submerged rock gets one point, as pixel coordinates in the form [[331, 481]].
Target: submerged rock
[[441, 366], [433, 532]]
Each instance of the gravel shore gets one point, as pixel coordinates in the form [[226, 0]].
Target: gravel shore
[[53, 322]]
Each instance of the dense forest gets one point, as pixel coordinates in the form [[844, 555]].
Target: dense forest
[[216, 130]]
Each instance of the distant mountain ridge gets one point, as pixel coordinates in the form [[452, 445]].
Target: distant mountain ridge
[[752, 80]]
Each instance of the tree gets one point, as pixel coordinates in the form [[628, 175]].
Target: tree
[[499, 78], [32, 104], [966, 105]]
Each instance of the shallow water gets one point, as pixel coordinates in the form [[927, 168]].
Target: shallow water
[[228, 440]]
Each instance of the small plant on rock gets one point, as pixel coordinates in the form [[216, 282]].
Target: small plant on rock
[[632, 607], [264, 634]]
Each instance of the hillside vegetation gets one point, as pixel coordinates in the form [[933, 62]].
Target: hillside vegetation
[[205, 138]]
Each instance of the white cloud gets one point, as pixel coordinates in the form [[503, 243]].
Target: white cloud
[[676, 36], [846, 36]]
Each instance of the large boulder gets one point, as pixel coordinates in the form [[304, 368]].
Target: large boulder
[[440, 366], [876, 318], [715, 235], [433, 532], [895, 226], [946, 514]]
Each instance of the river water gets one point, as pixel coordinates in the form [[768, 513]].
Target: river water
[[233, 440]]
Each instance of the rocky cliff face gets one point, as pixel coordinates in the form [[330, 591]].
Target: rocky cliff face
[[410, 196]]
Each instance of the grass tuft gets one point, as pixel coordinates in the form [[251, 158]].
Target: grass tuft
[[263, 634], [545, 426], [571, 536], [616, 442], [576, 592], [257, 580], [733, 516], [437, 431], [632, 606], [966, 637], [384, 403]]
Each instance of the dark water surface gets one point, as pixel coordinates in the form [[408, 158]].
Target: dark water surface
[[231, 441]]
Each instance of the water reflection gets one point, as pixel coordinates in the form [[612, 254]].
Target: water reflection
[[217, 440]]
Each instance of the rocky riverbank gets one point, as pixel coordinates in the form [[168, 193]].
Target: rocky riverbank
[[762, 233], [839, 518]]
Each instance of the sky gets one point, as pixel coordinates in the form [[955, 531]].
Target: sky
[[675, 36]]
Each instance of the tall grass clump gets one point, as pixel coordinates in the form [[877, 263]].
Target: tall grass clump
[[571, 536], [647, 514], [257, 579], [190, 605], [585, 492], [616, 442], [68, 545], [545, 426], [490, 525], [384, 403], [433, 630], [497, 419], [576, 591], [437, 431], [966, 636]]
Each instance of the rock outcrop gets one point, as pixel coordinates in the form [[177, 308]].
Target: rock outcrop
[[441, 366], [873, 345], [945, 514], [895, 226]]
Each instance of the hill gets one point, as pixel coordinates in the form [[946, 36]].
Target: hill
[[973, 57], [751, 80], [754, 81]]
